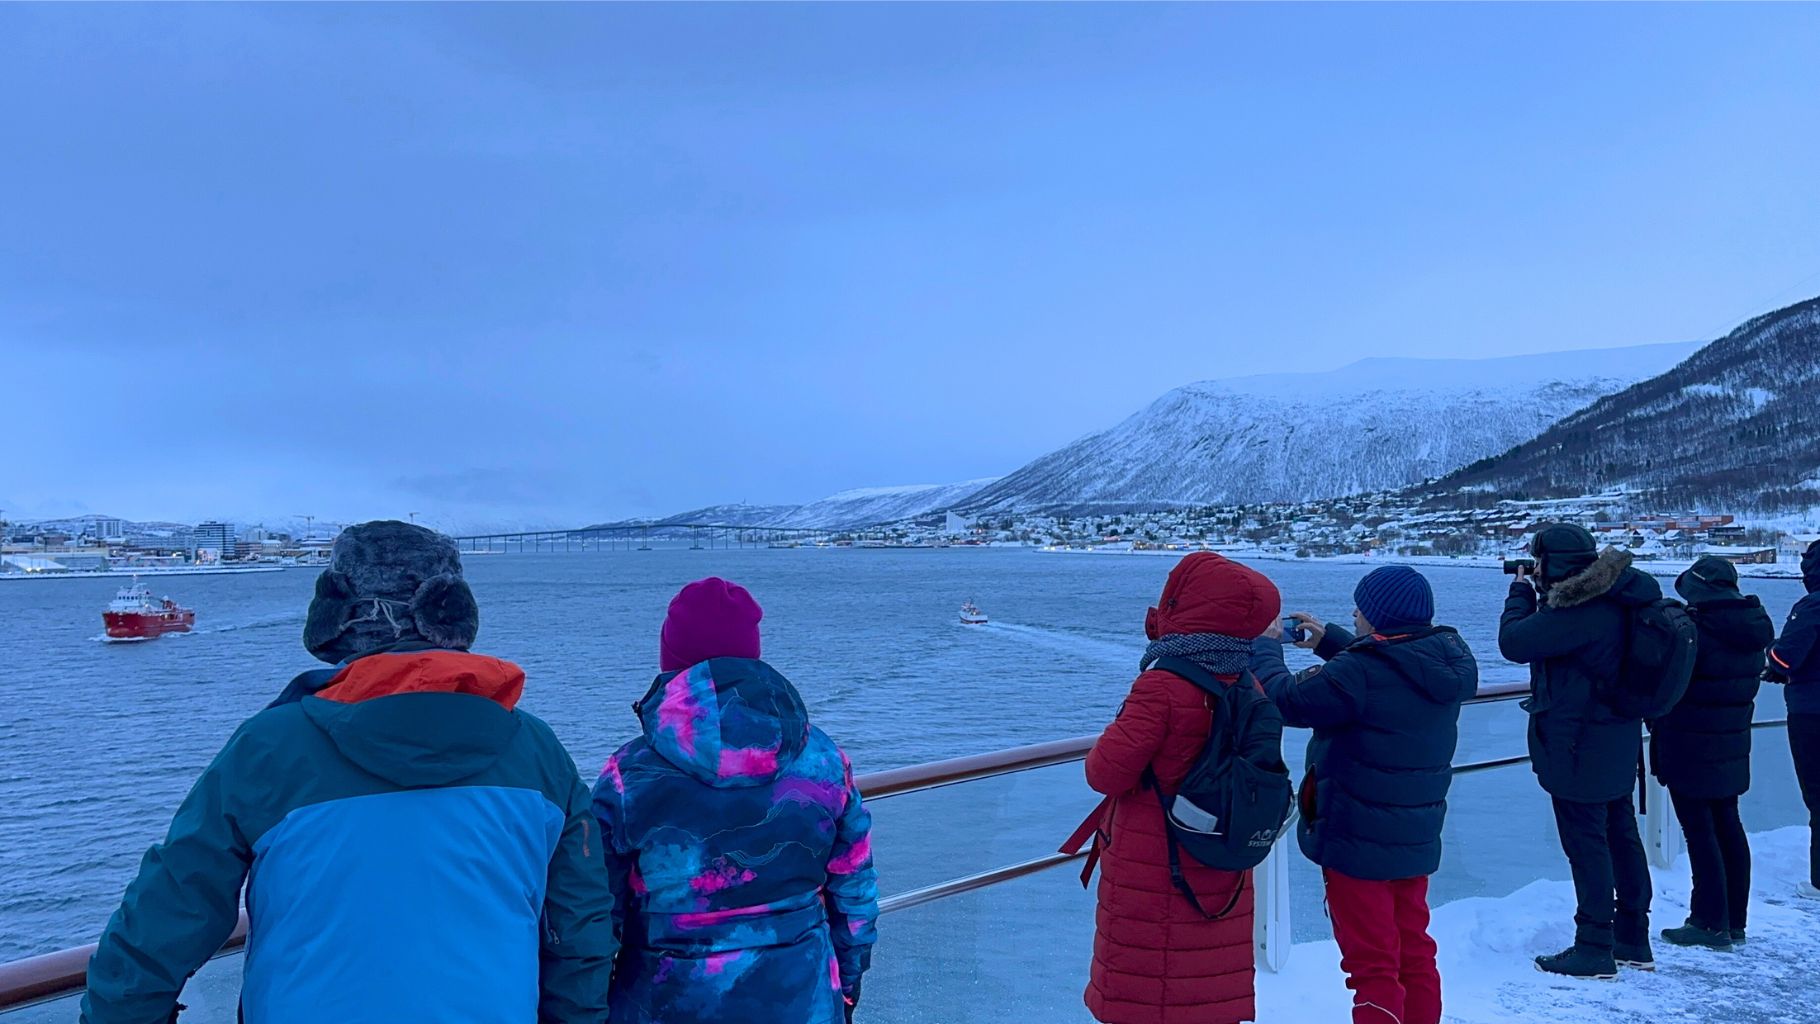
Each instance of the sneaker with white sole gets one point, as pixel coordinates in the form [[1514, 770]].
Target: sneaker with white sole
[[1807, 892], [1636, 960], [1579, 962]]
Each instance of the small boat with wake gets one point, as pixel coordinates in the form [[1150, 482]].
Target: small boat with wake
[[971, 615], [134, 615]]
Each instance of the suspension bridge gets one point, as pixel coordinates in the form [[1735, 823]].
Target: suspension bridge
[[641, 537]]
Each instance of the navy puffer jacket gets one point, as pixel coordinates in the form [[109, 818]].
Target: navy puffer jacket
[[1582, 751], [1795, 659], [1385, 713], [1701, 749]]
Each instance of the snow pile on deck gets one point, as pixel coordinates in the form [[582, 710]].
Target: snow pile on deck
[[1487, 944]]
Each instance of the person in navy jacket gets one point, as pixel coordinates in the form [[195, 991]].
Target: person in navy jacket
[[1795, 660], [1385, 710]]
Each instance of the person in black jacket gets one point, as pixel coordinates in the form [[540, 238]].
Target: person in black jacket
[[1701, 750], [1795, 660], [1385, 710], [1570, 625]]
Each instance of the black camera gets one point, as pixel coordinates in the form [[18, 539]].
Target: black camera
[[1516, 565], [1293, 631]]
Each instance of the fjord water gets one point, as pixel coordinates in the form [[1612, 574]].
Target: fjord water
[[101, 741]]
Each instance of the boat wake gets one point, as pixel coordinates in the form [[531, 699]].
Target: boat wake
[[1098, 649], [269, 622]]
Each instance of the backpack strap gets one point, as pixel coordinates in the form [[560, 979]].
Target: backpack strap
[[1175, 866], [1193, 673], [1211, 683], [1095, 828]]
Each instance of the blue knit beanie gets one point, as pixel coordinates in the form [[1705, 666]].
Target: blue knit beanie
[[1395, 598]]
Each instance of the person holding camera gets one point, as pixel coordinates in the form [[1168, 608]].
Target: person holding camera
[[1385, 710], [1701, 750], [1567, 618]]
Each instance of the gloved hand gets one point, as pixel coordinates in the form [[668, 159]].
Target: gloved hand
[[1772, 674], [852, 1000]]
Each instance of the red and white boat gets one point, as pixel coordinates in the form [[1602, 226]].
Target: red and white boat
[[971, 615], [134, 615]]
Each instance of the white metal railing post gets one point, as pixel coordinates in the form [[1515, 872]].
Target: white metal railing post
[[1661, 832], [1270, 931]]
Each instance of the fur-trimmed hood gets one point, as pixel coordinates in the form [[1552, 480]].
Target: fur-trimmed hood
[[1610, 574]]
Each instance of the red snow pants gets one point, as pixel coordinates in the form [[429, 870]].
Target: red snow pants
[[1389, 960]]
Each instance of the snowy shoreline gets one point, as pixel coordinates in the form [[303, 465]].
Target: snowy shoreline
[[1667, 569]]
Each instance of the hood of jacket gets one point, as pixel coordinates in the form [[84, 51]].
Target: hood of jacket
[[1209, 593], [422, 718], [1810, 567], [1610, 575], [1434, 661], [726, 722], [1737, 623]]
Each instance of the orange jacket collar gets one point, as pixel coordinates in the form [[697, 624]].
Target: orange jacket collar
[[383, 675]]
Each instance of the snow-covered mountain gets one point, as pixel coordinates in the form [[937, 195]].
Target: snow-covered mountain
[[869, 505], [866, 506], [1378, 424], [1737, 425]]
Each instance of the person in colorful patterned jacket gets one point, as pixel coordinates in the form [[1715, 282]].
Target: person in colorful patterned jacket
[[413, 846], [741, 848]]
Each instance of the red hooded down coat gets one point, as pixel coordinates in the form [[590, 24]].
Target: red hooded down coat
[[1156, 960]]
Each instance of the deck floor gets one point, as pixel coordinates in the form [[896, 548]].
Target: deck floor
[[1487, 946]]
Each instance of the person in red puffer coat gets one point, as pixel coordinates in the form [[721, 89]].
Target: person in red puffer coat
[[1156, 959]]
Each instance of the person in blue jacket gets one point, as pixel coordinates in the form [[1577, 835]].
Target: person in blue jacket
[[738, 839], [1795, 660], [412, 845], [1385, 710], [1569, 623]]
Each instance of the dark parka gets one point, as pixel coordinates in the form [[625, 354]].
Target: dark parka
[[1573, 642], [1701, 749], [1796, 657], [1385, 713]]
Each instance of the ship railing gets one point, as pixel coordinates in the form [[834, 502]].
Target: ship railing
[[63, 974]]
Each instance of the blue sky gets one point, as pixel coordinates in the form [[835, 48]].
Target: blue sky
[[565, 263]]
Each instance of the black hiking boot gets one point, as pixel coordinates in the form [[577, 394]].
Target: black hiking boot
[[1579, 962], [1637, 957], [1692, 935], [1738, 938]]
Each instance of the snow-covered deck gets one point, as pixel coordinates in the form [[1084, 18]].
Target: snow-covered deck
[[1487, 944]]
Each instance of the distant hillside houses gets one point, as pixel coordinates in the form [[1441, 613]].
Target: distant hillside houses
[[97, 542], [1393, 525]]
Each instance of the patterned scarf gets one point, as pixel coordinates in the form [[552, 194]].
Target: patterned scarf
[[1218, 654]]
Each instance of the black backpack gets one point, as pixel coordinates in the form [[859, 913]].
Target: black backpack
[[1236, 799], [1660, 647]]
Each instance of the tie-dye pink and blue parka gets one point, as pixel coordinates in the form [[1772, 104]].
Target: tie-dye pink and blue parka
[[743, 856]]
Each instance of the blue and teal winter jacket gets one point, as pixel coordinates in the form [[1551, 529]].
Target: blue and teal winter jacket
[[1385, 711], [412, 847], [743, 854]]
